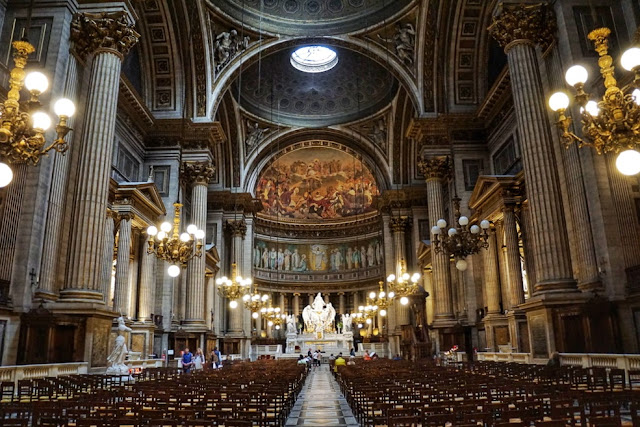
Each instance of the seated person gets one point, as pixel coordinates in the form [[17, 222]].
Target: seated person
[[367, 356], [374, 356], [339, 362], [397, 357], [302, 360], [352, 361]]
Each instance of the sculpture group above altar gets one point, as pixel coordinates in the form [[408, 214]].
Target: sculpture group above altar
[[319, 317]]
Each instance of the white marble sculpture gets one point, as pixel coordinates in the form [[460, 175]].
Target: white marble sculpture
[[346, 323], [291, 324], [119, 352], [317, 317]]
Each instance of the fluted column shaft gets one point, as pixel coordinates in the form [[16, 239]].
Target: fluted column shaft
[[210, 296], [121, 294], [146, 296], [400, 225], [514, 268], [341, 306], [491, 275], [428, 286], [627, 218], [238, 230], [107, 258], [195, 315], [296, 304], [441, 274]]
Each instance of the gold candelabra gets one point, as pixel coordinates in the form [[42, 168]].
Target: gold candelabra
[[404, 285], [381, 300], [255, 302], [461, 241], [612, 124], [22, 125], [274, 316], [174, 247], [234, 288]]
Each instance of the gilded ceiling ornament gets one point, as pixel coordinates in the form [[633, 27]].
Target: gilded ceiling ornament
[[533, 23], [400, 224], [197, 172], [436, 167], [91, 32]]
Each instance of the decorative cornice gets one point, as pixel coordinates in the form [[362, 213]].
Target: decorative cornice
[[436, 167], [333, 230], [237, 228], [400, 224], [524, 23], [233, 202], [93, 32], [407, 198], [197, 173], [190, 135]]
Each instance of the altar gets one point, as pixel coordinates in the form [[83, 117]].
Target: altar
[[320, 332]]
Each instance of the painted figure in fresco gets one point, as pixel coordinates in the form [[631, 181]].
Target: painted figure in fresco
[[379, 256], [280, 259], [257, 256], [332, 261], [356, 258], [339, 260], [349, 258], [273, 255], [363, 256], [265, 258], [371, 255], [287, 260], [295, 259], [319, 256], [303, 264]]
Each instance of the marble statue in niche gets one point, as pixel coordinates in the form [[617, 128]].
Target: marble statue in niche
[[227, 45], [254, 134], [404, 42]]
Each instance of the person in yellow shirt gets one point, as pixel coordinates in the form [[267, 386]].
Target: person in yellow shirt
[[339, 362]]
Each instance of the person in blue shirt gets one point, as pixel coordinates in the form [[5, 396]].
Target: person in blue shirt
[[187, 361], [352, 352]]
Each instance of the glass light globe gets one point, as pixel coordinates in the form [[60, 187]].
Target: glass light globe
[[248, 281], [392, 294], [6, 174], [219, 281], [192, 228], [277, 310], [263, 310], [64, 107], [265, 297], [405, 276], [435, 230], [576, 75], [461, 265], [636, 96], [628, 162], [361, 308], [199, 234], [558, 101], [391, 278], [372, 295], [185, 237], [173, 271], [223, 278], [592, 108], [404, 300], [442, 223], [233, 304], [382, 294], [270, 323], [152, 230], [630, 59], [41, 121], [360, 325], [484, 224], [165, 226], [277, 327], [161, 235], [368, 321], [463, 220], [452, 232], [415, 277], [474, 229], [254, 315], [246, 297], [383, 312], [35, 81]]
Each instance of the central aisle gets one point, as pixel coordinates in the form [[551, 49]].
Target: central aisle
[[320, 403]]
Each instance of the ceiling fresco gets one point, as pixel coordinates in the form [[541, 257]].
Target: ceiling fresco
[[316, 184]]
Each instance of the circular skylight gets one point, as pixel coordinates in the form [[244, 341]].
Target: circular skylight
[[314, 59]]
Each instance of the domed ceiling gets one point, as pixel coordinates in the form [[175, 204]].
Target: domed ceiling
[[356, 87], [310, 17]]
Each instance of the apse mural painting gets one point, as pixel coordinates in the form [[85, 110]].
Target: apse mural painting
[[316, 183], [318, 257]]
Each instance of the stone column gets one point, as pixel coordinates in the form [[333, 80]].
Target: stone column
[[428, 286], [326, 298], [400, 225], [341, 306], [491, 275], [296, 304], [436, 170], [146, 296], [198, 175], [237, 229], [107, 257], [518, 29], [121, 294], [513, 256], [527, 242], [311, 297], [210, 292], [107, 37]]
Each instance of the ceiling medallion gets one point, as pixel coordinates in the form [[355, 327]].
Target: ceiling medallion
[[314, 59]]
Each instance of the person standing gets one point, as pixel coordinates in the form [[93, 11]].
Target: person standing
[[216, 358], [187, 361], [198, 360]]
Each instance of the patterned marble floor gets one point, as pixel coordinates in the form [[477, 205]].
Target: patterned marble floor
[[320, 403]]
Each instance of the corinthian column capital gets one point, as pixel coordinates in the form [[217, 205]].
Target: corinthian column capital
[[197, 173], [524, 23], [400, 224], [435, 167], [93, 32], [237, 228]]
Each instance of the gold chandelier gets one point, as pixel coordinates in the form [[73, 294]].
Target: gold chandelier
[[462, 241], [233, 289], [22, 125], [611, 125], [381, 300], [174, 247], [365, 314], [255, 302], [274, 316], [404, 285]]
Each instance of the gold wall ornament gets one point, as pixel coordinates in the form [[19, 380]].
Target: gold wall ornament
[[23, 124], [436, 167], [92, 32], [461, 241], [531, 23], [195, 173], [168, 244], [611, 124]]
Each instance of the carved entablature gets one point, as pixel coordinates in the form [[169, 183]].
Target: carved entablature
[[233, 202], [404, 198], [197, 173], [436, 167], [192, 136], [400, 224], [530, 23], [363, 226], [92, 32], [237, 227]]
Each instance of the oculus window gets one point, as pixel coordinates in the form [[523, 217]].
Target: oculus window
[[314, 59]]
